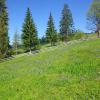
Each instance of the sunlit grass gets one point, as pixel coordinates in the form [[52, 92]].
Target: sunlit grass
[[69, 72]]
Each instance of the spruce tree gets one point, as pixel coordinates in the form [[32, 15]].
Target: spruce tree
[[29, 33], [66, 23], [51, 33], [4, 39]]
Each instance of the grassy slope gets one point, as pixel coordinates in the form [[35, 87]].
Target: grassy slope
[[69, 72]]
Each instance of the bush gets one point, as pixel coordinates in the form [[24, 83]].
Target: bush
[[79, 35], [2, 56], [8, 54], [37, 47], [71, 37]]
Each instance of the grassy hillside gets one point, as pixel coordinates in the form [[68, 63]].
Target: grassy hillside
[[67, 72]]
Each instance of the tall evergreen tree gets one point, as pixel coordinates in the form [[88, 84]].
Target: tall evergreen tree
[[51, 33], [94, 17], [4, 39], [29, 35], [66, 23]]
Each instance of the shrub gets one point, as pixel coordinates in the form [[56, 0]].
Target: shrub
[[79, 35], [1, 56]]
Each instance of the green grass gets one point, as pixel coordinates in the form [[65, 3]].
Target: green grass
[[69, 72]]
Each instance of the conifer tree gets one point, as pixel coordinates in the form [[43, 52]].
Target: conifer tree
[[4, 39], [51, 33], [29, 33], [66, 23]]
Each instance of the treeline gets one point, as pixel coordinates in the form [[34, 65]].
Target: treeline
[[29, 40]]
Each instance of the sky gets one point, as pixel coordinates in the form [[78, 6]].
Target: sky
[[41, 9]]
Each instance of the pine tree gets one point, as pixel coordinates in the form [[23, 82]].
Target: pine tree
[[93, 17], [4, 39], [51, 33], [29, 36], [66, 23]]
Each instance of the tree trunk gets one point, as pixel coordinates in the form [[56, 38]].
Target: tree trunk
[[98, 34], [16, 50], [30, 51]]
